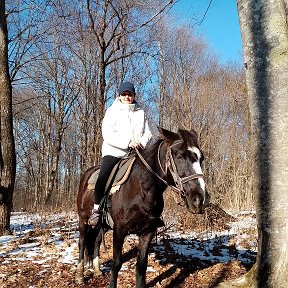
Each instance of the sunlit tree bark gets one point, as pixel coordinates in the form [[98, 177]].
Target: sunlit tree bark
[[7, 146], [264, 31]]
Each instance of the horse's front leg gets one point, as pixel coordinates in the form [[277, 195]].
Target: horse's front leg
[[118, 240], [142, 259]]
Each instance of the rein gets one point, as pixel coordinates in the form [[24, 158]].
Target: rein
[[170, 164], [149, 167]]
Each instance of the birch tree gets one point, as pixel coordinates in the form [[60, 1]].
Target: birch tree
[[264, 31]]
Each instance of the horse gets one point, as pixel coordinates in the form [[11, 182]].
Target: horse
[[173, 159]]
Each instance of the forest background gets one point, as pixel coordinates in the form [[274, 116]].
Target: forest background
[[67, 59]]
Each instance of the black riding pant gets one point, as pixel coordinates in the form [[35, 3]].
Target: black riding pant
[[108, 162]]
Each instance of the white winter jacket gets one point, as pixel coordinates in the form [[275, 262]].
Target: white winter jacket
[[123, 123]]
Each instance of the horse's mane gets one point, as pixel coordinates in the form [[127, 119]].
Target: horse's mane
[[150, 155], [152, 148], [190, 137]]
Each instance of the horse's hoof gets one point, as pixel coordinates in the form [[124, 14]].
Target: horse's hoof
[[157, 222], [98, 273], [79, 280]]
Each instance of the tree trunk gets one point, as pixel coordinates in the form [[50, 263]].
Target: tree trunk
[[264, 31], [53, 175], [7, 151]]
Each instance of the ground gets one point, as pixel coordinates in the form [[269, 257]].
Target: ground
[[43, 251]]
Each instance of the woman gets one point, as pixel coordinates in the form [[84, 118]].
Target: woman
[[124, 126]]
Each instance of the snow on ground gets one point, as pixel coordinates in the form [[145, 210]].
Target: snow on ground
[[42, 239], [35, 227]]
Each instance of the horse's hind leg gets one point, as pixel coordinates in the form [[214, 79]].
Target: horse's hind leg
[[79, 278], [142, 259], [96, 254], [118, 240]]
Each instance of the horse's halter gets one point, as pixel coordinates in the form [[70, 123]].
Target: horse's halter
[[170, 164]]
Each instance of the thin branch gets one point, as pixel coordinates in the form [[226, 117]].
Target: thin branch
[[199, 23]]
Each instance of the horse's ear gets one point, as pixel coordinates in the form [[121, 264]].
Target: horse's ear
[[194, 134], [186, 135], [167, 135]]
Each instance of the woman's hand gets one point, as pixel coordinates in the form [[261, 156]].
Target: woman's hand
[[135, 144]]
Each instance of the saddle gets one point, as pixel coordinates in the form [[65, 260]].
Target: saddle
[[118, 176]]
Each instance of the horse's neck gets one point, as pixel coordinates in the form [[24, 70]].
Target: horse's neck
[[156, 161], [161, 159]]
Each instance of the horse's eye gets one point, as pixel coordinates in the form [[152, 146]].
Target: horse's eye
[[179, 156], [195, 155]]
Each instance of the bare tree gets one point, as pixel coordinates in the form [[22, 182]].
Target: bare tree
[[265, 42], [195, 91], [27, 27], [7, 152], [58, 115], [65, 80], [119, 35]]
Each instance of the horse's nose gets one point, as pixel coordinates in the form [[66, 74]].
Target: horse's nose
[[197, 201]]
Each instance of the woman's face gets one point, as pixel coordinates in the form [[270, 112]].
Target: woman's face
[[127, 97]]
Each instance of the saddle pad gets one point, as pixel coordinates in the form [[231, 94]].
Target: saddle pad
[[122, 172], [92, 180]]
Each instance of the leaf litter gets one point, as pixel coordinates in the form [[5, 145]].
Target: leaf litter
[[43, 252]]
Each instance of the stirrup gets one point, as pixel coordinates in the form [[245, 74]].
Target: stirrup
[[94, 218]]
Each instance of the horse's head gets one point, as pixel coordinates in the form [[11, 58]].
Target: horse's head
[[183, 160]]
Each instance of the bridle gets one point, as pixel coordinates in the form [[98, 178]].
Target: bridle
[[171, 166]]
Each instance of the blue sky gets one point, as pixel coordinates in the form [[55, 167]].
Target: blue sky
[[220, 26]]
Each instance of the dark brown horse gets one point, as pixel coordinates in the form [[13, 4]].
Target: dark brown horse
[[174, 159]]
